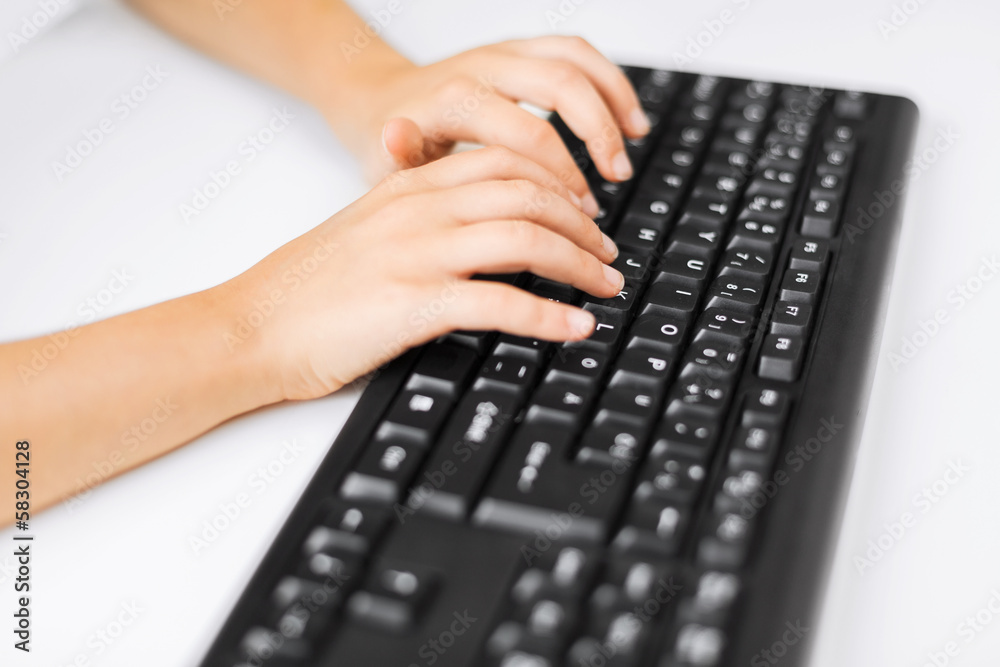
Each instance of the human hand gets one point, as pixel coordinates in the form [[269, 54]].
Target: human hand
[[391, 271], [405, 115]]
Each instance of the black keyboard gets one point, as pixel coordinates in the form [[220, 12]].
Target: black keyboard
[[665, 493]]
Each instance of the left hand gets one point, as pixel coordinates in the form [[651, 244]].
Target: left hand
[[410, 115]]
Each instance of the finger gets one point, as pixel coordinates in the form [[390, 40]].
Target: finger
[[403, 143], [512, 246], [607, 77], [489, 306], [500, 121], [565, 88], [493, 163], [515, 199]]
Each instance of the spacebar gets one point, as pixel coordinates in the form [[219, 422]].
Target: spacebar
[[463, 605]]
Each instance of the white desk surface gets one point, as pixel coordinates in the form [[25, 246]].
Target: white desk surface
[[60, 242]]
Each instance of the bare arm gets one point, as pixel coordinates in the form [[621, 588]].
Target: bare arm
[[131, 388], [393, 114]]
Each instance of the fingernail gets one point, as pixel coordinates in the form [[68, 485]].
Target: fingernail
[[590, 205], [621, 167], [614, 277], [639, 121], [609, 246], [384, 146], [581, 322], [573, 197]]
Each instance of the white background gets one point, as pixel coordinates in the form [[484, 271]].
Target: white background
[[128, 542]]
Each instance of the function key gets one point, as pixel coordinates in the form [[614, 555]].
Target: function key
[[800, 286], [781, 357], [809, 254], [791, 319]]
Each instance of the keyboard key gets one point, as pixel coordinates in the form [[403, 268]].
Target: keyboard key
[[415, 417], [383, 472], [392, 596], [716, 322], [821, 218], [654, 528], [754, 447], [346, 529], [506, 374], [673, 478], [633, 266], [267, 646], [738, 293], [764, 236], [644, 366], [781, 357], [703, 397], [637, 404], [684, 269], [576, 365], [637, 236], [624, 301], [791, 319], [469, 444], [560, 403], [712, 358], [607, 332], [800, 286], [766, 407], [658, 333], [744, 261], [519, 347], [611, 442], [670, 299], [726, 543], [442, 370], [685, 435], [809, 255], [537, 487]]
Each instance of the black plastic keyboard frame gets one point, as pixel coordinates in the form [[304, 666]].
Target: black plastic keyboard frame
[[789, 571]]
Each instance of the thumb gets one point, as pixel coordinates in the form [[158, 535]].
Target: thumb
[[403, 143]]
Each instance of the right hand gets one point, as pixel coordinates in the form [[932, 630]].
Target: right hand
[[391, 271]]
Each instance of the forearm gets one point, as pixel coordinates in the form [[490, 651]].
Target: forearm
[[306, 47], [122, 392]]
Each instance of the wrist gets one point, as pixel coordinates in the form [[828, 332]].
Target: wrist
[[247, 369]]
